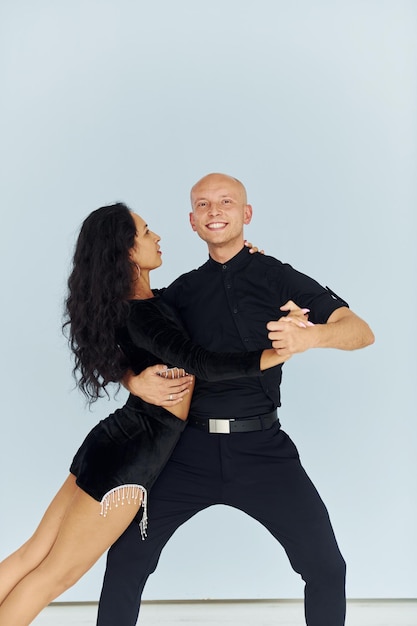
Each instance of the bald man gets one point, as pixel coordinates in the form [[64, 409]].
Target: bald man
[[233, 450]]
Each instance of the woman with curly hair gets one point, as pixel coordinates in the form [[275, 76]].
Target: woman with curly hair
[[116, 322]]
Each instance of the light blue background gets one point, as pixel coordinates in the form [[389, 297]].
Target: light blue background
[[312, 104]]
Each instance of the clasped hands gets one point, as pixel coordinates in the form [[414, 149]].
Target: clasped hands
[[288, 334]]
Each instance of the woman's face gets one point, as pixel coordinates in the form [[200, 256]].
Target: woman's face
[[145, 252]]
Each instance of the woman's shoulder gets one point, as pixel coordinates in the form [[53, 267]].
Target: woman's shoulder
[[145, 306], [153, 310], [144, 302], [150, 306]]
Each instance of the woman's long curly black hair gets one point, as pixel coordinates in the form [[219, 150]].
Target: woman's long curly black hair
[[98, 288]]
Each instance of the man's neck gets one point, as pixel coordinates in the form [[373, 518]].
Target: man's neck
[[223, 254]]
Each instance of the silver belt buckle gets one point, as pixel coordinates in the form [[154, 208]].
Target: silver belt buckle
[[219, 426]]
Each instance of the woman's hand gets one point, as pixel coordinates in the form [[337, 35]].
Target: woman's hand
[[253, 249], [295, 314], [291, 334]]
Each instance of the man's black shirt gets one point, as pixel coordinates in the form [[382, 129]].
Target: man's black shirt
[[225, 308]]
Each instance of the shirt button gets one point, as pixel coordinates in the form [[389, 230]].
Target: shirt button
[[224, 267], [234, 310], [228, 286]]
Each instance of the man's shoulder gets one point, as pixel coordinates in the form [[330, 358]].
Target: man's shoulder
[[266, 261], [187, 278]]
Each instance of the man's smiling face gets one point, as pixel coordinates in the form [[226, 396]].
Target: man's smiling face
[[220, 211]]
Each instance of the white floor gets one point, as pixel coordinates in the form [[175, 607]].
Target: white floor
[[229, 613]]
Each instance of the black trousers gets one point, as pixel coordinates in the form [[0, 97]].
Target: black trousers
[[256, 472]]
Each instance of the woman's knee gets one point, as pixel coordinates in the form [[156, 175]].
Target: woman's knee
[[33, 552], [59, 579]]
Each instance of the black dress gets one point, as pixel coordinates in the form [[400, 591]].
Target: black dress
[[123, 455]]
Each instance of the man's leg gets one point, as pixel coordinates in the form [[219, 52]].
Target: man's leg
[[188, 484], [286, 502]]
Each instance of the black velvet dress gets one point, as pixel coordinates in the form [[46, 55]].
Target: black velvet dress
[[123, 455]]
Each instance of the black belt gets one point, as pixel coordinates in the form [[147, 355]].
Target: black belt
[[230, 425]]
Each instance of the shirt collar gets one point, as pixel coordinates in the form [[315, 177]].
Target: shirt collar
[[240, 260]]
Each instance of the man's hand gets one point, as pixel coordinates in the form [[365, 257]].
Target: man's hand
[[288, 334], [343, 330], [153, 386]]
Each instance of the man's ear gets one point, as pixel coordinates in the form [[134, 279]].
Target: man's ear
[[248, 214], [191, 216]]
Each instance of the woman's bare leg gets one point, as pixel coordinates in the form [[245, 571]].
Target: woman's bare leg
[[84, 535], [33, 551]]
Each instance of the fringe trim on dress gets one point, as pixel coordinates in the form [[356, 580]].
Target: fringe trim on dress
[[127, 494]]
